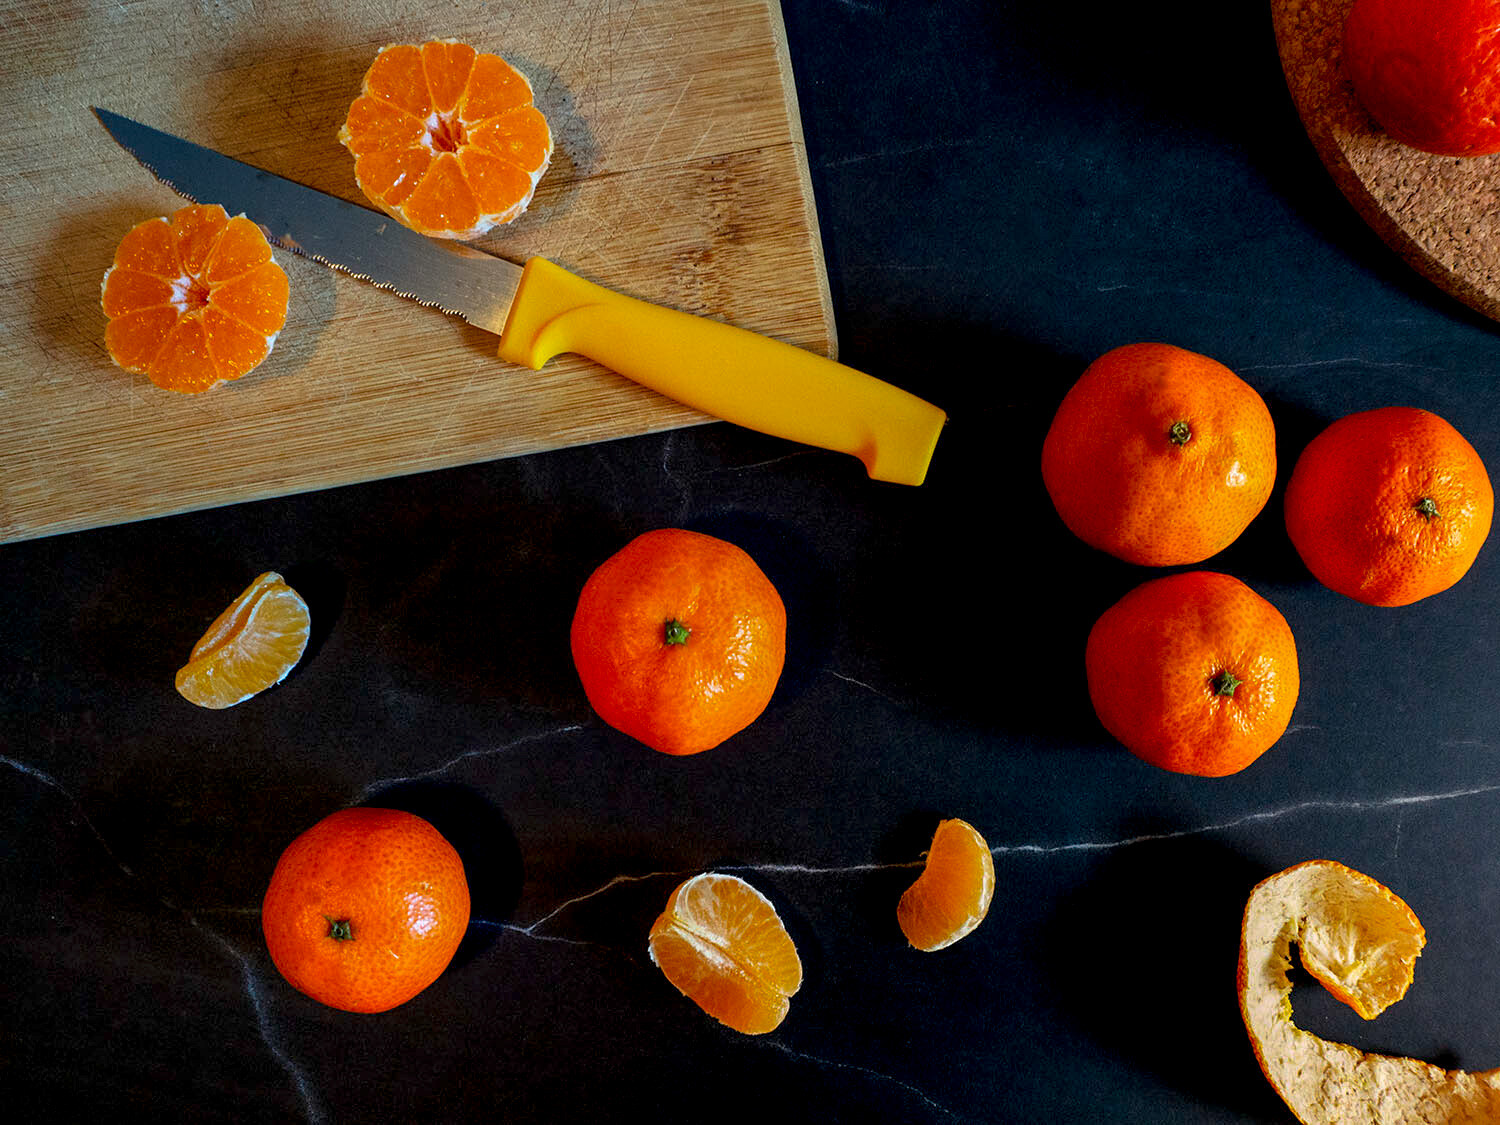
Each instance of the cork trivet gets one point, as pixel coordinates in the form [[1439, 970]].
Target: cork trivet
[[1440, 213]]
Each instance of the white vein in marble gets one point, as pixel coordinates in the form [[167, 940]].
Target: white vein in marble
[[311, 1103]]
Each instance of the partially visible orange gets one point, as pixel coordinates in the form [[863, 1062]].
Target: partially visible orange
[[952, 895], [679, 639], [446, 139], [1194, 672], [1389, 506], [366, 909], [1159, 456], [1361, 942], [722, 944], [1428, 71], [250, 647], [193, 300]]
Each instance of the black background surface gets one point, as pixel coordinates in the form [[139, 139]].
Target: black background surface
[[1006, 190]]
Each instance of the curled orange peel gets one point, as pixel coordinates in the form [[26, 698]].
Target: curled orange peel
[[1360, 941]]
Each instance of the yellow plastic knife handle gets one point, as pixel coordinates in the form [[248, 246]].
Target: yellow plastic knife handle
[[733, 374]]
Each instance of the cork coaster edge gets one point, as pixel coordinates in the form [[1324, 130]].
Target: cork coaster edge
[[1440, 214]]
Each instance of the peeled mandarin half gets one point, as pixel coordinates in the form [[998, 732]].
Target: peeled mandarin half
[[193, 300], [953, 893], [1360, 942], [446, 139], [250, 647], [723, 946]]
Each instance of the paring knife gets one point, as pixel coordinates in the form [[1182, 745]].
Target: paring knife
[[540, 310]]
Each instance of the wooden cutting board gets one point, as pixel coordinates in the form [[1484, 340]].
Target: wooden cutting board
[[1440, 214], [679, 176]]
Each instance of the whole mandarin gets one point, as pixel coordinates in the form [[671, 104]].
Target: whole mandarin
[[1159, 456]]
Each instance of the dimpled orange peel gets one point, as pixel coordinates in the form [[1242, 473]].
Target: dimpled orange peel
[[1159, 456], [1360, 942], [446, 139]]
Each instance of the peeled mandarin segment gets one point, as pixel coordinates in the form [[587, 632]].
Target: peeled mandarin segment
[[374, 124], [494, 87], [197, 228], [729, 909], [135, 339], [443, 202], [184, 362], [953, 893], [233, 345], [499, 186], [128, 290], [447, 65], [519, 135], [396, 76], [230, 622], [257, 298], [239, 248], [389, 176], [1361, 941], [716, 985], [150, 247], [249, 647], [721, 943]]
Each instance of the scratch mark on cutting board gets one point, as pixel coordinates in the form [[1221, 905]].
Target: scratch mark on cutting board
[[671, 116]]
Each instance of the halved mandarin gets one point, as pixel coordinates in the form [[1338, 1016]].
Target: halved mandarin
[[194, 299], [953, 893], [250, 647], [723, 946], [446, 139]]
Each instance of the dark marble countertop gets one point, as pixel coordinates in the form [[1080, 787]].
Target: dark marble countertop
[[1006, 190]]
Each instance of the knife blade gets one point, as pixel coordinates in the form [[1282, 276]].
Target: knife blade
[[541, 310]]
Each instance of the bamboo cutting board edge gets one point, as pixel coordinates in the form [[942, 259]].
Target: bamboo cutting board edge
[[714, 261]]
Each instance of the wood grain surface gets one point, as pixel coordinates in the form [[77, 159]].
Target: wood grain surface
[[679, 176], [1440, 213]]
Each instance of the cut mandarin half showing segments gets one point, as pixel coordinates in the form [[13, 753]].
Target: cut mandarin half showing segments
[[250, 647], [1360, 942], [723, 946], [952, 895], [445, 139], [193, 300]]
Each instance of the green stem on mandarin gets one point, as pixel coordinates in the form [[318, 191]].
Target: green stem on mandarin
[[339, 929], [676, 632], [1225, 682], [1180, 433], [1427, 508]]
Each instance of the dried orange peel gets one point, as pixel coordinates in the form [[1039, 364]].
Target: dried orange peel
[[1360, 941]]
